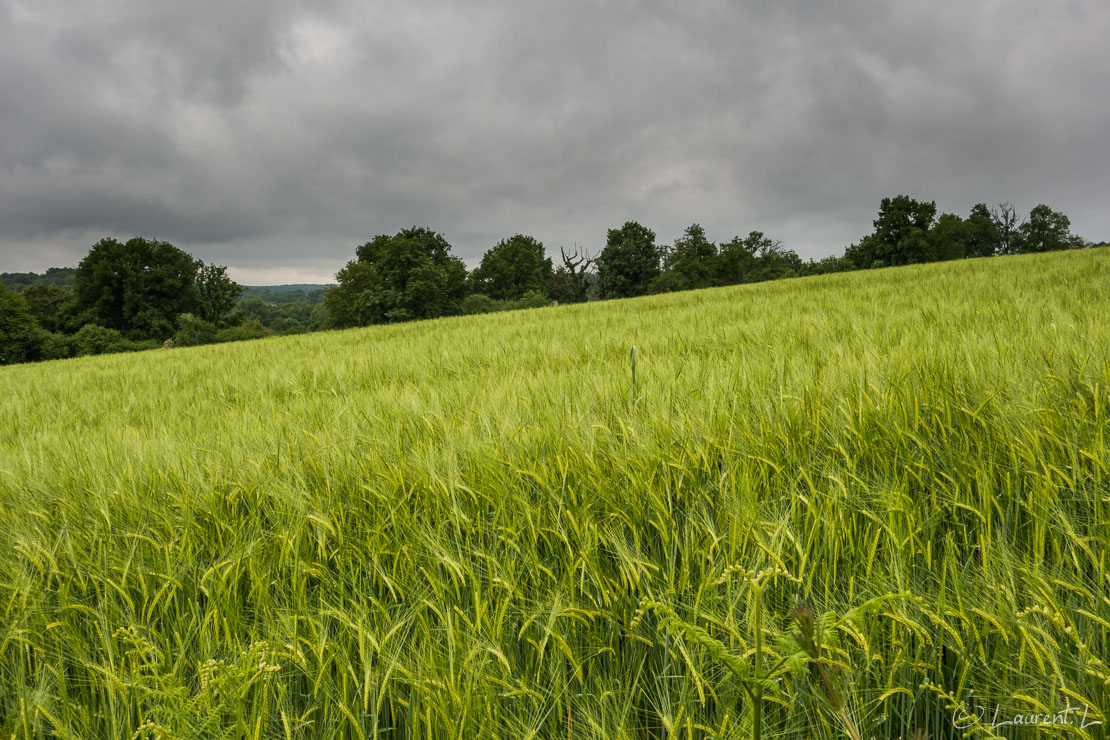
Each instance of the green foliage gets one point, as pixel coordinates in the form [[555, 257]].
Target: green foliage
[[691, 263], [61, 277], [251, 329], [531, 299], [93, 339], [55, 346], [901, 235], [981, 233], [948, 239], [49, 304], [410, 275], [217, 294], [19, 333], [1047, 230], [282, 316], [827, 265], [137, 288], [736, 260], [193, 331], [511, 268], [278, 294], [771, 260], [476, 303], [629, 263]]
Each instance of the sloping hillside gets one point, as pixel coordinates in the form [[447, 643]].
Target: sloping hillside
[[512, 525]]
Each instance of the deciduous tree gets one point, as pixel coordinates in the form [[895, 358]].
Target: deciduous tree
[[1047, 230], [410, 275], [691, 263], [19, 333], [982, 234], [629, 262], [138, 288], [511, 268], [217, 294]]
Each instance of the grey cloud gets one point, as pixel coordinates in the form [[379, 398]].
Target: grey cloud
[[278, 135]]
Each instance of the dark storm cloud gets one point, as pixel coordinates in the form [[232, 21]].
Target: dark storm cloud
[[277, 135]]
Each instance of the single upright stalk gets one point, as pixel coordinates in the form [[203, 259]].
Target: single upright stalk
[[757, 694], [634, 374]]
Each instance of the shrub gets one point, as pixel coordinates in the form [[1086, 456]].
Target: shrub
[[55, 346], [531, 299], [250, 330], [193, 331], [93, 339], [481, 303]]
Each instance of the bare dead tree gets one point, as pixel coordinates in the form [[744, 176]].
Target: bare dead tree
[[575, 274], [1006, 221]]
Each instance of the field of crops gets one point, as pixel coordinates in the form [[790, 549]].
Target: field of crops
[[490, 527]]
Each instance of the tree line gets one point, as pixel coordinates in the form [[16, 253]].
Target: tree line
[[143, 294]]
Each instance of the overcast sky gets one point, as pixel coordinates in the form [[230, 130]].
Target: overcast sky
[[274, 136]]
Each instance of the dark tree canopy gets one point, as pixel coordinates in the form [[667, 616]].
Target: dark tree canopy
[[981, 232], [410, 275], [49, 304], [1046, 230], [901, 235], [692, 262], [18, 330], [138, 288], [511, 268], [217, 294], [948, 238], [629, 263], [736, 260]]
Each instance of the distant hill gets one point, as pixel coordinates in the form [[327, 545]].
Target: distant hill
[[63, 277], [308, 293], [305, 287], [60, 276]]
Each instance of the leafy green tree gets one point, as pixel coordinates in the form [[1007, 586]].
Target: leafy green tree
[[827, 265], [948, 238], [343, 302], [1047, 230], [217, 294], [981, 233], [901, 230], [864, 254], [736, 260], [511, 268], [49, 304], [19, 333], [772, 260], [138, 288], [629, 263], [901, 235], [410, 275], [692, 262]]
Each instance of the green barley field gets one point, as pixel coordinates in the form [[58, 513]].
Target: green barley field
[[859, 505]]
